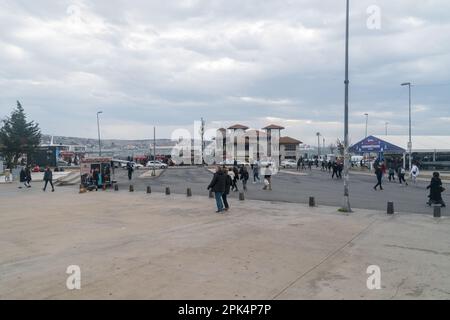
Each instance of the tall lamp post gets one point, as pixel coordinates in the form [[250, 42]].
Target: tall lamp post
[[346, 201], [98, 129], [367, 122], [386, 128], [318, 145], [409, 142]]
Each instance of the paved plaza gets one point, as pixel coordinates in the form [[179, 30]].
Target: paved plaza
[[153, 246], [296, 187]]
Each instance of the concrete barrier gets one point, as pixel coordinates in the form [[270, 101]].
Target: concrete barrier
[[390, 208], [312, 202], [189, 192]]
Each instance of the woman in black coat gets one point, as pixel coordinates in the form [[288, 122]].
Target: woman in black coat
[[436, 190], [228, 183]]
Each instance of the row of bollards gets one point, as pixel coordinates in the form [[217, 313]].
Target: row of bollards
[[312, 201]]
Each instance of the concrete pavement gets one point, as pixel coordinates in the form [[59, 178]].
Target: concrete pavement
[[139, 246]]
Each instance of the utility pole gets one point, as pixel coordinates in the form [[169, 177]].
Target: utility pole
[[98, 129], [367, 122], [386, 129], [202, 133], [410, 140], [346, 201], [154, 151], [318, 145]]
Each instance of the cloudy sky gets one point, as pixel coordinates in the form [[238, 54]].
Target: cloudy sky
[[168, 63]]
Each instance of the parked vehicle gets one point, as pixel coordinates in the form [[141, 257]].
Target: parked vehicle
[[289, 163], [156, 165]]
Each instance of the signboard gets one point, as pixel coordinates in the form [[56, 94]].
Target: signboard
[[375, 145]]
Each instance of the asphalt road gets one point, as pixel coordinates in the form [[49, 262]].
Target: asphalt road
[[291, 187]]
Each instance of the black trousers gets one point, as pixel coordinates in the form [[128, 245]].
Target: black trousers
[[51, 183], [225, 202], [379, 179]]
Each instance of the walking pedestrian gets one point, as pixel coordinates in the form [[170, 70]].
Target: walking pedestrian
[[379, 174], [299, 163], [228, 183], [401, 175], [335, 170], [243, 173], [48, 178], [414, 173], [130, 170], [235, 179], [339, 169], [217, 185], [436, 189], [256, 172], [28, 176], [22, 178], [268, 178], [391, 174]]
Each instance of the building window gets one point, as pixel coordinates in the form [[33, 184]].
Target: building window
[[290, 147]]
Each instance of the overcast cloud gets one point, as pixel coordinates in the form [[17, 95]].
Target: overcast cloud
[[168, 63]]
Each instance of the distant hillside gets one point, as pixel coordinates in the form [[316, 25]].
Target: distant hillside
[[105, 142]]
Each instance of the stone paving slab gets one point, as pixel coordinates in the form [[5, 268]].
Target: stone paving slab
[[139, 246]]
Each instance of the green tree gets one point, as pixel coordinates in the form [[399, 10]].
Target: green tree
[[18, 137]]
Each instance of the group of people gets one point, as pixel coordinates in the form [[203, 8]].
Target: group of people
[[302, 163], [226, 180], [25, 178], [381, 169]]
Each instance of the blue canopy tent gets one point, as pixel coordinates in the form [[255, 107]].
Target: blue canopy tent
[[372, 144]]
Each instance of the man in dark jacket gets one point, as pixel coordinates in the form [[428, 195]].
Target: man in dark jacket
[[379, 174], [228, 183], [48, 177], [243, 173], [23, 178], [436, 190], [217, 186], [130, 170], [28, 176]]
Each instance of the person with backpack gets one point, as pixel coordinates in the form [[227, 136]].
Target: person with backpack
[[436, 189], [48, 178]]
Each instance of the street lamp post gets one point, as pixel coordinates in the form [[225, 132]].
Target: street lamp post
[[410, 141], [346, 201], [98, 129], [386, 128], [318, 145], [367, 122]]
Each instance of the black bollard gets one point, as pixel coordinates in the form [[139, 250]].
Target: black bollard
[[241, 196], [390, 208], [211, 194], [167, 190], [149, 189], [116, 187], [131, 188], [437, 211], [189, 192], [312, 202]]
